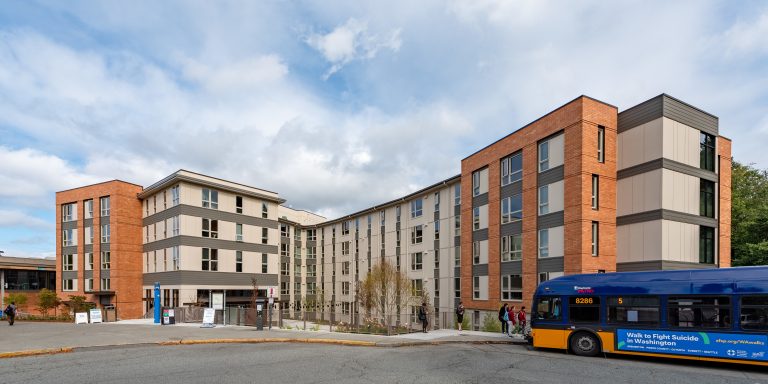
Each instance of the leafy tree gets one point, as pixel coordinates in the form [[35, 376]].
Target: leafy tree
[[19, 298], [78, 304], [749, 215], [491, 323], [47, 300], [385, 289]]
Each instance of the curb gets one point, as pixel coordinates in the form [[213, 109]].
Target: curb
[[35, 352], [354, 343]]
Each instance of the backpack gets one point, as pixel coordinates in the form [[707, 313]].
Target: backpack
[[8, 310]]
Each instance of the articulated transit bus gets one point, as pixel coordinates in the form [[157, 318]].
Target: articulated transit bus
[[705, 314]]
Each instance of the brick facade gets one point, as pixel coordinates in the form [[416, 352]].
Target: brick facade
[[724, 201]]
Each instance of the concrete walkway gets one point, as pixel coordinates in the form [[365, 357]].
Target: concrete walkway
[[26, 338]]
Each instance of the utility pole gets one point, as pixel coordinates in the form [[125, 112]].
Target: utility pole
[[2, 289]]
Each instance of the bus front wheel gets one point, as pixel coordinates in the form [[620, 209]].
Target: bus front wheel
[[585, 344]]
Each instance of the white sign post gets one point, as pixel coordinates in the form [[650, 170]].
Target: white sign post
[[208, 318], [95, 315], [81, 318], [217, 299]]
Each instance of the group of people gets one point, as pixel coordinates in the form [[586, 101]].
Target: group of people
[[512, 321]]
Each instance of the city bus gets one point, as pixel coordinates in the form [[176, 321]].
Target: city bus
[[704, 314]]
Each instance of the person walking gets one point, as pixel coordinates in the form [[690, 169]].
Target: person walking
[[424, 316], [502, 313], [460, 314], [511, 322], [522, 321], [10, 311]]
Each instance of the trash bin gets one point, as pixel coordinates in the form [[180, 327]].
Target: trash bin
[[169, 316]]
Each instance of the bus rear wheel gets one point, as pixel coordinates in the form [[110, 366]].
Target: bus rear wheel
[[584, 344]]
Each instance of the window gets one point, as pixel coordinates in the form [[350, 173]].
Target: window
[[437, 201], [457, 286], [264, 263], [544, 200], [707, 198], [397, 213], [175, 195], [311, 252], [210, 198], [238, 261], [238, 204], [476, 218], [544, 243], [457, 194], [584, 309], [106, 260], [512, 287], [297, 251], [416, 261], [457, 256], [600, 143], [595, 191], [175, 257], [543, 156], [284, 249], [68, 237], [175, 225], [437, 229], [311, 288], [105, 233], [754, 313], [633, 310], [345, 228], [548, 308], [297, 292], [210, 259], [382, 217], [238, 232], [88, 285], [285, 270], [512, 247], [345, 268], [699, 312], [264, 210], [68, 284], [104, 204], [285, 231], [68, 262], [312, 233], [595, 238], [88, 209], [476, 287], [285, 288], [417, 234], [416, 207], [264, 235], [707, 152], [211, 228], [89, 261], [105, 285], [511, 169], [437, 258], [706, 245], [311, 270], [345, 288], [417, 287], [476, 183], [88, 235], [344, 248], [457, 223], [511, 209]]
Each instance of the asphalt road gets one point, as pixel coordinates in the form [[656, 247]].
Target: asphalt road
[[311, 363]]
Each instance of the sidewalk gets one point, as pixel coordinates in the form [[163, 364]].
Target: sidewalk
[[42, 337]]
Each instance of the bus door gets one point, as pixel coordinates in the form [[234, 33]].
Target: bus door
[[548, 329]]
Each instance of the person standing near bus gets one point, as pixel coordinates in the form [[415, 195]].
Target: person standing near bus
[[522, 320], [502, 313], [511, 321]]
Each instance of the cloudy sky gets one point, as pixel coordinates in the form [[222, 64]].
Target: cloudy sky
[[337, 105]]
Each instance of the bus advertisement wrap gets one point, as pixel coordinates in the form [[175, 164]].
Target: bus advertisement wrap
[[705, 344]]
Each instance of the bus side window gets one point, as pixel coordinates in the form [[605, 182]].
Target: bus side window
[[754, 313], [699, 311], [549, 308]]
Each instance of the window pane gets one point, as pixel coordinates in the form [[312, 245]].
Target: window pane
[[548, 308], [584, 309]]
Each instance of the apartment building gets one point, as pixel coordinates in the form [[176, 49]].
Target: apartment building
[[98, 245], [583, 189]]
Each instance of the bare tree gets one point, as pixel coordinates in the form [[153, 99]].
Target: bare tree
[[384, 290]]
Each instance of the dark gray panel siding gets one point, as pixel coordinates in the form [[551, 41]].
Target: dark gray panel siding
[[456, 241], [480, 270], [665, 214], [480, 235], [656, 265], [69, 225], [480, 200], [105, 247], [457, 210], [551, 264], [551, 220], [665, 105], [311, 243], [311, 261], [208, 278], [550, 176], [87, 222], [69, 250], [667, 164], [515, 188], [88, 274], [88, 248], [204, 242], [189, 210], [68, 275], [105, 274], [456, 271], [512, 268], [512, 228]]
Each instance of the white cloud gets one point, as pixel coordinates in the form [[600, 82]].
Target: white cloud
[[747, 37], [241, 75], [16, 219], [352, 41]]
